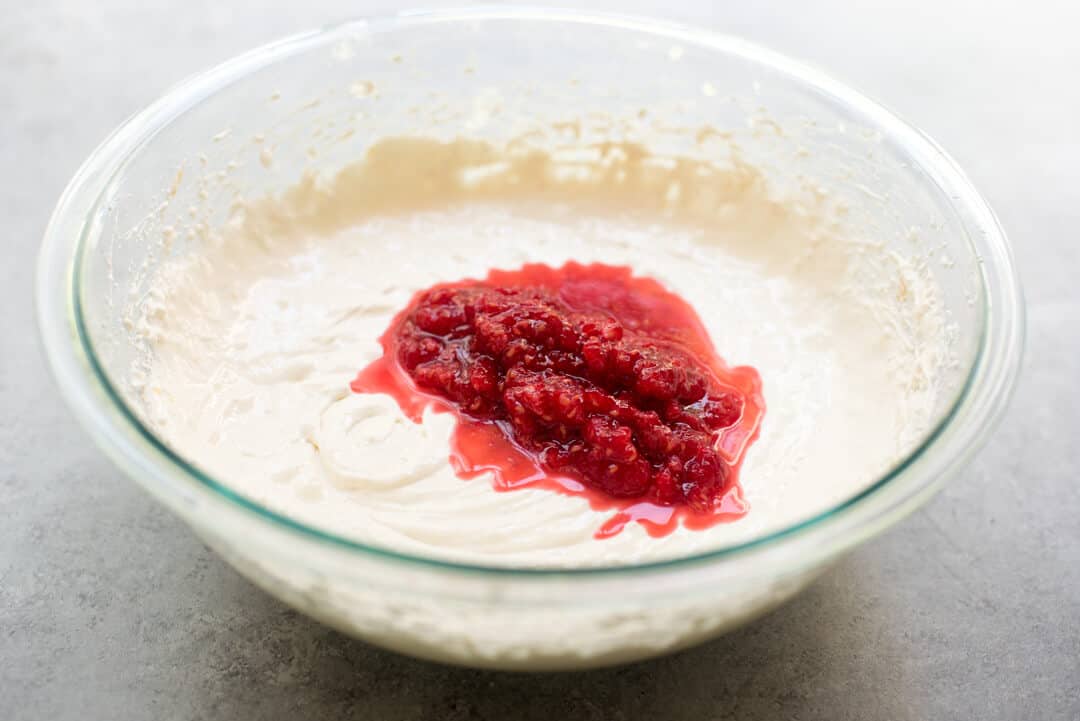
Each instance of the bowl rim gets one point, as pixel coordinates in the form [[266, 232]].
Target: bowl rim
[[70, 352]]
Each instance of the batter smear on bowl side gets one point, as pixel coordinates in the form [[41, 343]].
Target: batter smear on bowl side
[[584, 379]]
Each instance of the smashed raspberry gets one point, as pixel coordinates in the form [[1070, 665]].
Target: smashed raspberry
[[598, 376]]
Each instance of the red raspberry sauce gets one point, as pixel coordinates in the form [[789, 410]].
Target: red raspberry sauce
[[585, 380]]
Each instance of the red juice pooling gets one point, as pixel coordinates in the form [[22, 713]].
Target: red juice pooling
[[583, 379]]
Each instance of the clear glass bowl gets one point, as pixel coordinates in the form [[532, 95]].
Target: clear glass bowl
[[317, 100]]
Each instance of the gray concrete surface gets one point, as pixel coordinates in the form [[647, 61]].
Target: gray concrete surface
[[110, 609]]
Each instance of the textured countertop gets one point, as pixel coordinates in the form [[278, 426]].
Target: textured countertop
[[970, 609]]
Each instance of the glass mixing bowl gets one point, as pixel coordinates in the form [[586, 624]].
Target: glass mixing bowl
[[316, 101]]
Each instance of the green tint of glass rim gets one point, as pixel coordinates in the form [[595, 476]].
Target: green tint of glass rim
[[141, 128]]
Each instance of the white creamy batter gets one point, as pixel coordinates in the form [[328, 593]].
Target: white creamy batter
[[255, 338]]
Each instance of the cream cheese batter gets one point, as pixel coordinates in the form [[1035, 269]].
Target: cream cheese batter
[[255, 337]]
